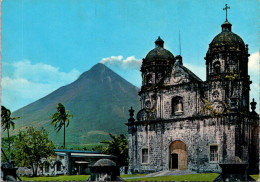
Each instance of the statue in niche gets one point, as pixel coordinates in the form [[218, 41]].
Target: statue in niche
[[179, 107]]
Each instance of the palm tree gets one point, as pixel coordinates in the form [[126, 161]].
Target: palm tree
[[7, 121], [118, 147], [60, 119]]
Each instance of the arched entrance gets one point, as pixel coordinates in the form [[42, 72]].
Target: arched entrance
[[178, 155]]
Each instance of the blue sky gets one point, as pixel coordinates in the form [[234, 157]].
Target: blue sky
[[49, 43]]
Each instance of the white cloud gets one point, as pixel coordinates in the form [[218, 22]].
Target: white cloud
[[30, 82], [42, 73], [24, 88], [128, 68], [253, 70], [253, 64], [118, 62]]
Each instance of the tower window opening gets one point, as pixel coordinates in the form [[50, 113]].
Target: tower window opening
[[216, 67]]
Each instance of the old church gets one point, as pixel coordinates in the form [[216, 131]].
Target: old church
[[187, 123]]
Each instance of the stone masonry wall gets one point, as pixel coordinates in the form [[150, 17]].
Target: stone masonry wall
[[197, 134]]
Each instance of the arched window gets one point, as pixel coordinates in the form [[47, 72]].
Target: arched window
[[177, 106], [216, 67]]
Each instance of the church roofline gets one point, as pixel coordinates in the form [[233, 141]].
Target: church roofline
[[193, 75], [197, 117]]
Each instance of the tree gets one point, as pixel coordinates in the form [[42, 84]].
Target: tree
[[6, 142], [60, 118], [7, 121], [118, 147], [99, 148], [31, 146]]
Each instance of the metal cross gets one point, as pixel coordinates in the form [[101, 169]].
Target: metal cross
[[226, 8]]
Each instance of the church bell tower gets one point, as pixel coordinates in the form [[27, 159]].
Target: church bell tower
[[157, 63], [227, 70]]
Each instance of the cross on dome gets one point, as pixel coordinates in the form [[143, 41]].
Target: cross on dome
[[226, 8]]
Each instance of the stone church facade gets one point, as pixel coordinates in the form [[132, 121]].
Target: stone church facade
[[187, 123]]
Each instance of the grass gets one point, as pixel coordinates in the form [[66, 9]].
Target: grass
[[255, 176], [188, 177], [131, 175], [70, 177], [57, 178]]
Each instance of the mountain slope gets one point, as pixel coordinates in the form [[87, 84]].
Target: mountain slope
[[99, 100]]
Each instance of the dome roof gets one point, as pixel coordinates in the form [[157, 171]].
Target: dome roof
[[227, 38], [230, 40], [159, 52], [105, 162]]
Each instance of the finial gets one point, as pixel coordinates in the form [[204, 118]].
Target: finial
[[159, 42], [226, 8], [131, 114], [253, 105]]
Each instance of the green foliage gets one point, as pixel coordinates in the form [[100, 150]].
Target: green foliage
[[60, 118], [118, 147], [99, 148], [88, 146], [31, 146], [226, 106], [5, 146], [213, 112], [7, 121], [208, 107], [231, 76]]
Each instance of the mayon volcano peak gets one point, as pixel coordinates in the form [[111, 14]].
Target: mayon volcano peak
[[99, 100]]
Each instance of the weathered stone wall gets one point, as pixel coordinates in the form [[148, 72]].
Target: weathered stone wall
[[190, 101], [197, 134]]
